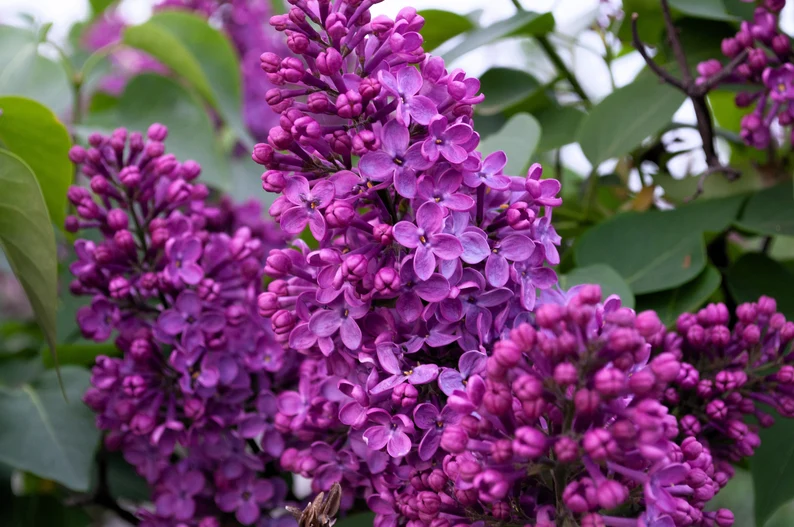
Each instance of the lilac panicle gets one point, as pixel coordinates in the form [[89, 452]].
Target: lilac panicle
[[173, 279]]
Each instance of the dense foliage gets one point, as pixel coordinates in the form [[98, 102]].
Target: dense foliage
[[426, 301]]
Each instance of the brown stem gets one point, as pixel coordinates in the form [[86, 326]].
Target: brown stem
[[675, 43], [658, 70]]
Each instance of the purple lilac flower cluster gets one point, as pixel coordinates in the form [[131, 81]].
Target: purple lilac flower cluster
[[564, 425], [241, 20], [426, 248], [766, 70], [174, 279], [727, 372]]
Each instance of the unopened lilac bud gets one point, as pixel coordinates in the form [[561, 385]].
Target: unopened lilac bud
[[190, 170], [130, 176], [586, 401], [72, 224], [454, 439], [279, 138], [751, 334], [119, 287], [387, 281], [273, 181], [428, 503], [329, 62], [566, 450], [318, 102], [666, 367], [298, 43], [648, 323], [506, 353], [609, 382], [117, 219], [349, 105], [336, 26], [270, 62], [262, 154], [437, 480], [340, 214], [520, 216], [354, 268], [757, 60], [278, 264], [730, 47], [781, 45], [530, 443], [365, 141], [405, 396], [100, 185], [383, 233], [565, 374], [282, 321], [140, 349], [125, 241], [497, 398], [77, 155], [157, 132], [724, 518], [611, 494]]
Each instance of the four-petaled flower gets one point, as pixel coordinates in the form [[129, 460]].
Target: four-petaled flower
[[183, 253], [390, 431], [445, 140], [308, 206], [427, 417], [426, 237], [396, 160], [405, 87]]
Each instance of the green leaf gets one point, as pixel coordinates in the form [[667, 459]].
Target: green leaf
[[35, 134], [124, 482], [364, 519], [610, 281], [524, 23], [620, 122], [772, 468], [150, 98], [505, 87], [200, 54], [39, 511], [649, 25], [27, 238], [688, 297], [518, 138], [24, 72], [441, 26], [783, 517], [99, 6], [769, 212], [58, 438], [710, 9], [756, 274], [657, 250], [726, 113], [82, 353], [737, 496], [716, 185], [559, 126]]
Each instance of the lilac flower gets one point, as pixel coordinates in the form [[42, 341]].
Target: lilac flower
[[396, 160], [177, 501], [339, 316], [409, 304], [490, 173], [445, 140], [308, 206], [97, 320], [188, 312], [428, 240], [470, 363], [533, 275], [405, 87], [780, 83], [183, 255], [245, 499], [444, 191], [428, 418], [515, 248], [390, 432], [420, 374], [333, 464]]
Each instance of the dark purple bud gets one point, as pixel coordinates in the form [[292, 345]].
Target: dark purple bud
[[77, 155], [100, 185], [506, 353], [757, 60], [730, 47], [267, 304], [130, 176], [190, 170], [383, 233], [454, 439], [565, 374], [273, 181], [666, 367], [364, 142], [428, 503], [527, 388], [340, 142], [282, 322], [354, 268], [751, 335], [405, 396], [298, 43], [387, 281], [117, 219], [743, 37], [566, 450], [349, 104], [278, 264], [157, 132], [270, 62], [72, 224], [369, 88], [318, 102], [497, 398], [291, 69], [586, 401], [329, 62], [724, 518], [611, 494], [609, 382], [262, 154], [520, 216], [530, 443], [96, 139], [340, 214], [279, 138]]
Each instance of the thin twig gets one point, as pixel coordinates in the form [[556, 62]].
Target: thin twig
[[696, 93], [658, 70], [723, 74]]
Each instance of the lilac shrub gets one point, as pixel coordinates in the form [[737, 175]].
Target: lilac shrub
[[173, 279]]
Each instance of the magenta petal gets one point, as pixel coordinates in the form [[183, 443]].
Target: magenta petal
[[495, 162], [458, 133], [422, 109], [475, 247], [446, 246], [171, 322], [376, 437], [399, 445], [191, 273], [191, 249], [409, 306], [317, 225], [451, 309], [425, 416], [395, 139], [434, 289], [423, 374], [429, 444], [377, 166], [472, 362], [388, 81], [296, 190], [450, 380], [516, 247], [494, 297], [323, 192], [294, 220], [324, 323], [247, 513], [302, 338], [388, 359], [387, 384], [459, 202], [528, 295], [405, 183], [405, 233], [454, 153], [424, 262], [544, 277], [415, 159], [289, 403], [409, 81], [350, 334], [497, 270], [430, 217]]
